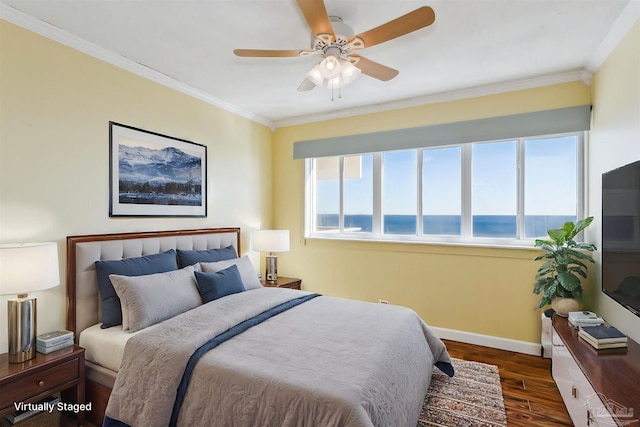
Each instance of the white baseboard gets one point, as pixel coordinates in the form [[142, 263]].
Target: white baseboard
[[489, 341]]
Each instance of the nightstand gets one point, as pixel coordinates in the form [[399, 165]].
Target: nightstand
[[284, 282], [42, 376]]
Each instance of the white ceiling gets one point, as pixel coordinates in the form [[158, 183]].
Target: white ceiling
[[474, 44]]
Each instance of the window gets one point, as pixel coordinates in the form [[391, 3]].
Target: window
[[442, 191], [494, 189], [358, 193], [550, 183], [505, 192], [399, 186]]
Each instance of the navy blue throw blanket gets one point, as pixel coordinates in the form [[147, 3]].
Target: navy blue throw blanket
[[446, 367]]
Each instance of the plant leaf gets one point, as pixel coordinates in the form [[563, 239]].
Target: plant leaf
[[569, 229], [568, 281], [579, 271], [586, 246], [580, 263], [543, 256], [582, 224], [548, 264], [542, 284], [540, 242], [557, 235], [580, 255], [545, 272]]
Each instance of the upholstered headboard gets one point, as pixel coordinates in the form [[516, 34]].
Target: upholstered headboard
[[83, 300]]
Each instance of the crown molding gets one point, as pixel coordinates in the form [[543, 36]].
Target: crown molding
[[454, 95], [49, 31]]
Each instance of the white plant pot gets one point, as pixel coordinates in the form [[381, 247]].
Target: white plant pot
[[562, 306]]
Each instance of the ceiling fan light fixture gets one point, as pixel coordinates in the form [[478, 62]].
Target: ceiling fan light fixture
[[330, 67], [333, 73], [349, 72], [315, 75]]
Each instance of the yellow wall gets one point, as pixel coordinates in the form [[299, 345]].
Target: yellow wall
[[55, 108], [481, 290], [615, 141]]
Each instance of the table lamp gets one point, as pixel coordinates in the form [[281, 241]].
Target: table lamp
[[271, 241], [25, 268]]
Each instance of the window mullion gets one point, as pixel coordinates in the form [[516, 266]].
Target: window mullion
[[466, 214], [520, 220], [581, 152], [419, 214], [341, 187], [377, 194], [310, 205]]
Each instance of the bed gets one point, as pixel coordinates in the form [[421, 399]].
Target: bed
[[264, 356]]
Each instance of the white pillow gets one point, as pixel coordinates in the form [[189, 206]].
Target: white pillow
[[245, 267], [152, 298]]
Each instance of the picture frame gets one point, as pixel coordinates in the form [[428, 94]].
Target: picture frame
[[155, 175]]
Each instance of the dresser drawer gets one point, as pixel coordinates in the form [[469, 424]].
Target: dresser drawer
[[38, 382], [583, 403]]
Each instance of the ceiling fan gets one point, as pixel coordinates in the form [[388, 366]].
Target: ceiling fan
[[340, 65]]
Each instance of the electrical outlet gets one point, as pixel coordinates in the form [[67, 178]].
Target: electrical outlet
[[383, 301]]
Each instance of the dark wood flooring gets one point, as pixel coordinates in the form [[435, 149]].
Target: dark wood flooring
[[530, 395]]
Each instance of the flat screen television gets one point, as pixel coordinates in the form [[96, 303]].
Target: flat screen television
[[621, 235]]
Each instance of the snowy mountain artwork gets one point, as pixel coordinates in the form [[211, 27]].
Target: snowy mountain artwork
[[157, 177]]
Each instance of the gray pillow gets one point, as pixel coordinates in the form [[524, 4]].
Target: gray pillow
[[149, 264], [156, 297], [245, 267]]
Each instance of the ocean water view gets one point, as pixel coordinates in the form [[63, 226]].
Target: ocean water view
[[500, 226]]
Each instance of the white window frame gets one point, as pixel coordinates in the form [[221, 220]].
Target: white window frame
[[466, 237]]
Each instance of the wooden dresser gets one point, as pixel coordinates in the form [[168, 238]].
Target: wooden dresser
[[599, 387]]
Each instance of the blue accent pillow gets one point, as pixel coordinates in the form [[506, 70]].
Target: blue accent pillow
[[186, 258], [217, 285], [140, 266]]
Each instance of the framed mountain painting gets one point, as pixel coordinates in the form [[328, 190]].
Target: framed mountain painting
[[155, 175]]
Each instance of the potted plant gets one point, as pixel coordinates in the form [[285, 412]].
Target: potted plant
[[558, 277]]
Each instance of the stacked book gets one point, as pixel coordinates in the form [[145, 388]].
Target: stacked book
[[47, 404], [601, 337], [584, 318], [52, 341]]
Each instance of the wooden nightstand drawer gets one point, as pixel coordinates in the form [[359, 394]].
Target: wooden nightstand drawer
[[38, 382], [284, 282]]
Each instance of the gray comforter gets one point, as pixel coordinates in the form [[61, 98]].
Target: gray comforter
[[326, 362]]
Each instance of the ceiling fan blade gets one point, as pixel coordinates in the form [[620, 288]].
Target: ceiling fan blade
[[373, 69], [253, 53], [316, 15], [306, 85], [412, 21]]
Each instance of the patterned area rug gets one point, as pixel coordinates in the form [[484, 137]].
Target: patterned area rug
[[473, 397]]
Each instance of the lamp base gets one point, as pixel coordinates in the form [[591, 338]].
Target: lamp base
[[272, 269], [22, 329]]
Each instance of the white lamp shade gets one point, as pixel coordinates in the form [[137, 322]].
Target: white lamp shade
[[315, 75], [349, 72], [271, 240], [330, 67], [28, 267]]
